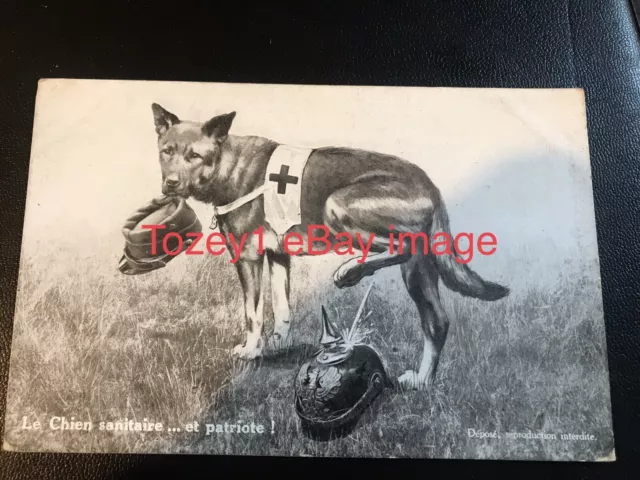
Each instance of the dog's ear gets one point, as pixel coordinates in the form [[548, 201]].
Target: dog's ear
[[163, 119], [218, 127]]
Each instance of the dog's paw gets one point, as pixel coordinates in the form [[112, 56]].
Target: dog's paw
[[410, 380], [348, 274], [279, 341], [237, 350], [241, 351]]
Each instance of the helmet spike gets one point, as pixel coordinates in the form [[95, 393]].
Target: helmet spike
[[330, 333]]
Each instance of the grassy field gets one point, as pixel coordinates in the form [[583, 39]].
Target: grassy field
[[99, 346]]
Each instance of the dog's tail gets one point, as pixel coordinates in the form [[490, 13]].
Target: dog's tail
[[458, 276]]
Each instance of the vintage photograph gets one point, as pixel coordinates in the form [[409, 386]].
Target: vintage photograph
[[309, 270]]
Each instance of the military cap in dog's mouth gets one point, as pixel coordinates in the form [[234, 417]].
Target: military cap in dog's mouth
[[141, 253]]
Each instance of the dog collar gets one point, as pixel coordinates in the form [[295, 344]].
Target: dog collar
[[229, 207]]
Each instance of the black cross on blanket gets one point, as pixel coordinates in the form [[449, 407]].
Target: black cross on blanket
[[283, 178]]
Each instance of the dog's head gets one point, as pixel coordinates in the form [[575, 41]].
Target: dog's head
[[190, 152]]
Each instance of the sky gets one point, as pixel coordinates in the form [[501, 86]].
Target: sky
[[512, 162]]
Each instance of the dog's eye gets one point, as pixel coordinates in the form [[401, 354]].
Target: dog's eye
[[167, 151], [194, 155]]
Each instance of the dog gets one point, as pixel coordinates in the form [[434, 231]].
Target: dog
[[371, 193]]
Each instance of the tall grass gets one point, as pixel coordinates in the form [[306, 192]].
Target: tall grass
[[99, 346]]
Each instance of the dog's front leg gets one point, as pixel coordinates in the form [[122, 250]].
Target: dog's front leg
[[250, 273], [279, 267]]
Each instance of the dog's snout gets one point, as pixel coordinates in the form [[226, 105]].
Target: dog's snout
[[172, 183]]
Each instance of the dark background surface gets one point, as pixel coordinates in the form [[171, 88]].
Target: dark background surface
[[592, 44]]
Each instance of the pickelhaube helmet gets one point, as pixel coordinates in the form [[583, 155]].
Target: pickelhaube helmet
[[141, 254], [339, 382]]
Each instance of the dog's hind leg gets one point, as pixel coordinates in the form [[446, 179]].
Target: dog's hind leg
[[250, 274], [369, 210], [421, 279], [279, 269], [351, 272]]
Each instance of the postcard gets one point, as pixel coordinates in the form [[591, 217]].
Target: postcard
[[309, 270]]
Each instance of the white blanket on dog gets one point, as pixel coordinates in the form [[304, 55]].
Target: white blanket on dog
[[284, 174]]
